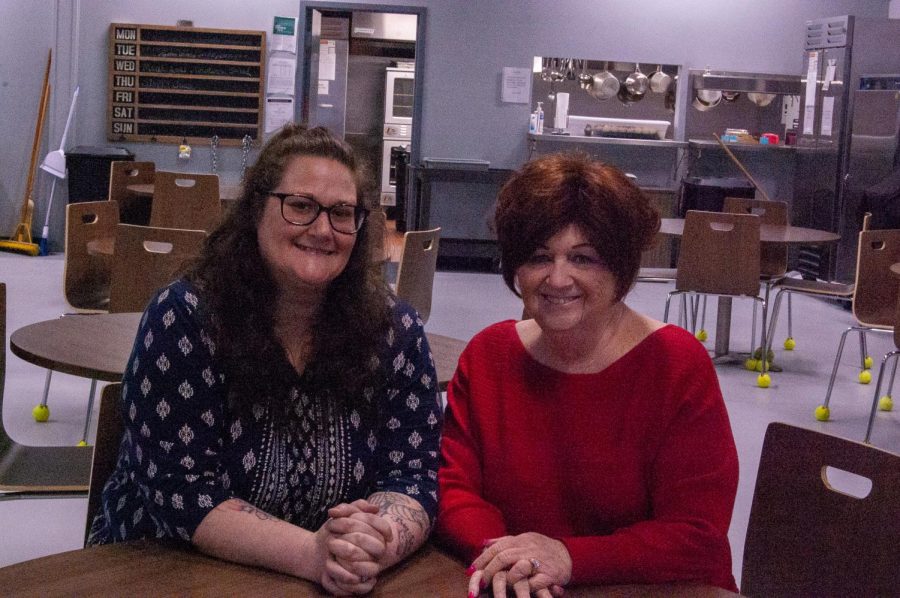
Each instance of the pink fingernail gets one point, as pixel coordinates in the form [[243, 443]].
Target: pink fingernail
[[471, 595], [470, 570]]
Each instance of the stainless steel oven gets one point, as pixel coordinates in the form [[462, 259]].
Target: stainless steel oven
[[398, 95], [395, 137], [397, 129]]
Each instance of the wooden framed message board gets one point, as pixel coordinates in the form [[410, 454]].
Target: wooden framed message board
[[171, 84]]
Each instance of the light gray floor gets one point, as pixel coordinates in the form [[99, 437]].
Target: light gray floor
[[463, 304]]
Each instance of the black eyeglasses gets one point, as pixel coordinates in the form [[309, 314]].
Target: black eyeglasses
[[303, 210]]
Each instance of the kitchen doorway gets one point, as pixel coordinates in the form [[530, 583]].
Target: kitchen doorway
[[361, 76]]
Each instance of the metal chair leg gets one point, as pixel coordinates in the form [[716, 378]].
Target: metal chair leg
[[837, 361], [41, 413], [87, 418], [789, 318], [892, 354]]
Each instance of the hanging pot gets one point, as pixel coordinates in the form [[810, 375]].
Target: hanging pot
[[659, 81], [730, 96], [761, 99], [703, 105], [669, 97], [626, 97], [585, 81], [637, 83], [605, 85]]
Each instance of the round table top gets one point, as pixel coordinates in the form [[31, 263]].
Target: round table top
[[768, 233], [895, 269], [227, 192], [149, 568], [98, 346]]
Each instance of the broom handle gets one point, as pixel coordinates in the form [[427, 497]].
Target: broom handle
[[38, 130], [741, 166]]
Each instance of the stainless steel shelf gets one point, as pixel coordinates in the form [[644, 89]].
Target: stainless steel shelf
[[667, 143], [742, 147]]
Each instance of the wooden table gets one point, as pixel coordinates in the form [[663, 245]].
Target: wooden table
[[97, 346], [768, 233], [145, 568]]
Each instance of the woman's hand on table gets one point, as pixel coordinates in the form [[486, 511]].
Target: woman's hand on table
[[354, 538], [529, 564]]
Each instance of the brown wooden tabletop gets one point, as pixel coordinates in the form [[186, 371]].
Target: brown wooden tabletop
[[98, 345], [226, 192], [147, 568], [768, 233], [895, 269]]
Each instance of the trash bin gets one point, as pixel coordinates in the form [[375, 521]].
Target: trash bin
[[88, 171], [709, 193]]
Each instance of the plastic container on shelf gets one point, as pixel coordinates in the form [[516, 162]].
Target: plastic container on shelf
[[627, 128]]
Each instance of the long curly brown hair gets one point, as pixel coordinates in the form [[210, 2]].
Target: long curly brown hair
[[240, 292]]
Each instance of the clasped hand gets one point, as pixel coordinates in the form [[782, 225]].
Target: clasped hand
[[529, 563], [353, 540]]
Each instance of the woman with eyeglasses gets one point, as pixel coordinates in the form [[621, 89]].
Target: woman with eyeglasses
[[281, 405]]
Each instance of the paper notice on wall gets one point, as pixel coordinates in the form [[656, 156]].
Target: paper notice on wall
[[284, 35], [829, 73], [327, 59], [281, 75], [827, 116], [322, 88], [279, 112], [515, 85], [812, 73]]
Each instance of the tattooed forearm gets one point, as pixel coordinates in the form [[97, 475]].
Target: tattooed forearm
[[236, 504], [410, 520]]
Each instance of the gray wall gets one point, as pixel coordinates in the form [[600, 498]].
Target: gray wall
[[467, 44]]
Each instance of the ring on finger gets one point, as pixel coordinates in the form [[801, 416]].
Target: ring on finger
[[535, 564]]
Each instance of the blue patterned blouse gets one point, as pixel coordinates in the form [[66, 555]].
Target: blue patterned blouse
[[184, 452]]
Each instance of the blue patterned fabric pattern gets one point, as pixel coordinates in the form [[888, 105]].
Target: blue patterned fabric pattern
[[184, 451]]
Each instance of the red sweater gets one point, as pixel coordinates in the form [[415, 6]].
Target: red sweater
[[633, 468]]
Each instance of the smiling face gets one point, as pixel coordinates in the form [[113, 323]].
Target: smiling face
[[565, 285], [305, 259]]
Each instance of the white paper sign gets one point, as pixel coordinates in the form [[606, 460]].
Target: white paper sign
[[284, 35], [279, 112], [812, 73], [827, 115], [323, 88], [515, 85], [327, 59], [281, 75], [829, 73]]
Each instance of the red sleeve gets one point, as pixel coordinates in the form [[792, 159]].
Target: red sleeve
[[465, 519], [693, 482]]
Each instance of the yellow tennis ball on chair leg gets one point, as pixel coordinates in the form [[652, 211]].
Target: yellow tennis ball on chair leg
[[822, 413], [702, 335], [867, 362], [789, 344], [763, 380], [41, 413], [865, 377], [750, 364], [886, 403]]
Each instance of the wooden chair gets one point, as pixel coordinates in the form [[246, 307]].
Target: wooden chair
[[874, 300], [110, 428], [188, 201], [147, 259], [90, 234], [31, 471], [886, 402], [773, 257], [132, 208], [813, 531], [719, 255], [415, 275], [816, 288]]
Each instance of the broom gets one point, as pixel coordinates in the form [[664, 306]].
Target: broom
[[20, 242]]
